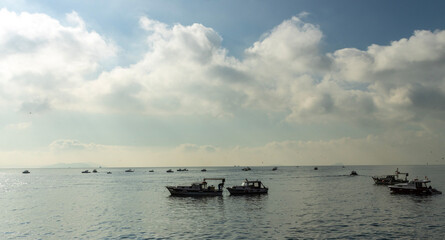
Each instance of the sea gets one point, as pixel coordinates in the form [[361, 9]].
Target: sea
[[302, 203]]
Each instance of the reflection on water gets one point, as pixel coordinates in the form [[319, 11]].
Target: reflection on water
[[302, 203]]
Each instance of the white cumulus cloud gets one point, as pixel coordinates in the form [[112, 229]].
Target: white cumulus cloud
[[42, 59]]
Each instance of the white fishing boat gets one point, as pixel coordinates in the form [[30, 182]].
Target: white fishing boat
[[416, 186], [198, 189], [248, 187]]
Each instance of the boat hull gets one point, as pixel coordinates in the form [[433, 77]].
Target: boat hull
[[235, 191], [174, 191], [423, 191]]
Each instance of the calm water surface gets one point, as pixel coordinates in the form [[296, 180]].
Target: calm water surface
[[302, 204]]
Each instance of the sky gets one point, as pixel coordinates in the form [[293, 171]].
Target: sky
[[221, 83]]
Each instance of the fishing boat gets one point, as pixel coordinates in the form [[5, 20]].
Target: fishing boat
[[246, 169], [86, 171], [248, 187], [274, 169], [203, 170], [94, 171], [151, 171], [416, 186], [353, 173], [26, 172], [198, 189], [129, 170], [391, 179], [169, 171]]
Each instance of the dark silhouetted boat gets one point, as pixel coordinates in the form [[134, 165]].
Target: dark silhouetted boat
[[129, 170], [26, 172], [248, 188], [169, 171], [94, 171], [86, 171], [353, 173], [203, 170], [274, 169], [390, 179], [198, 189]]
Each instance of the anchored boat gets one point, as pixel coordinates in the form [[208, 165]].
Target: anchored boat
[[391, 179], [248, 187], [198, 189], [416, 186]]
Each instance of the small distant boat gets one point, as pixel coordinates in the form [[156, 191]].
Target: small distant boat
[[169, 171], [353, 173], [315, 168], [198, 189], [182, 170], [151, 171], [390, 179], [274, 169], [86, 171], [26, 172], [129, 170], [416, 186], [248, 188], [203, 170], [94, 171], [246, 169], [108, 172]]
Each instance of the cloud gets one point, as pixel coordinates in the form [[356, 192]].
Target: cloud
[[19, 126], [72, 145], [175, 77], [196, 148], [409, 147], [186, 71], [42, 59]]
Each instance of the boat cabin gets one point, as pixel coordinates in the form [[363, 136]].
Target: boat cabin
[[252, 184]]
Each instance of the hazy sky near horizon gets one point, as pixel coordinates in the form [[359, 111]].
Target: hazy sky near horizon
[[213, 83]]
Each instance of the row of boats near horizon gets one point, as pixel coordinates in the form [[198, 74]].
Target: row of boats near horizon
[[395, 183]]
